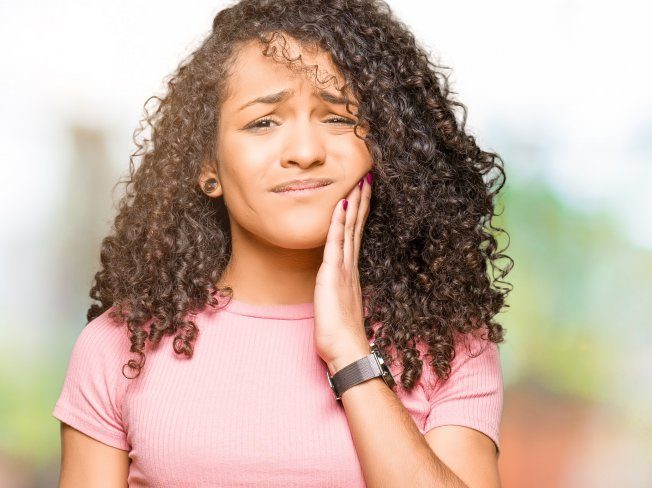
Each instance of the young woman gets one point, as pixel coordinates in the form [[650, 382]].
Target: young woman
[[254, 256]]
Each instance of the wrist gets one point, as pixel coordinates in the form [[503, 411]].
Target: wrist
[[348, 357]]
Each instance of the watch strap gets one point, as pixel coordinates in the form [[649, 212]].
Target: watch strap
[[353, 374]]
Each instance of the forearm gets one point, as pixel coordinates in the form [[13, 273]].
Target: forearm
[[391, 449]]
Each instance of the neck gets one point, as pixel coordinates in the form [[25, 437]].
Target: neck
[[261, 274]]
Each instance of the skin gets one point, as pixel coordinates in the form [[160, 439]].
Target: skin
[[87, 462], [279, 238]]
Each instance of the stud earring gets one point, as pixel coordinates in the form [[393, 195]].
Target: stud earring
[[210, 185]]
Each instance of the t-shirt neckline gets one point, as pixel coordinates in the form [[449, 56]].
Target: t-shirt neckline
[[278, 311]]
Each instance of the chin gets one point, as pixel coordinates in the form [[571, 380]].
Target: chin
[[297, 237]]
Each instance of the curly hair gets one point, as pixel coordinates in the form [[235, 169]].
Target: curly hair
[[428, 240]]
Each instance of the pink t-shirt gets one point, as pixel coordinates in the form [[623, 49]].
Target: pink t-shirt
[[252, 406]]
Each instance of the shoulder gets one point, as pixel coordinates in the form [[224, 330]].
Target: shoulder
[[102, 342], [99, 353], [106, 327], [474, 366], [475, 352], [94, 387]]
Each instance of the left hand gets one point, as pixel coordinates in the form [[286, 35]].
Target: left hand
[[339, 331]]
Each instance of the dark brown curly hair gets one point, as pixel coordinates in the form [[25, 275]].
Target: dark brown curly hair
[[427, 241]]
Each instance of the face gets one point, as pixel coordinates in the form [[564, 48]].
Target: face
[[298, 135]]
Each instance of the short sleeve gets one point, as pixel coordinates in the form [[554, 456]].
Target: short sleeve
[[94, 387], [473, 394]]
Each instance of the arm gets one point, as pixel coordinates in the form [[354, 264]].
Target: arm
[[466, 451], [393, 452], [391, 449], [88, 463]]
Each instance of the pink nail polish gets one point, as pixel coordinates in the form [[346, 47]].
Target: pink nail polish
[[369, 178], [345, 204], [360, 183]]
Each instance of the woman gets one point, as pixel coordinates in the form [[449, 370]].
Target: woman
[[231, 296]]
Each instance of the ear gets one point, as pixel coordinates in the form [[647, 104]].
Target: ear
[[209, 182]]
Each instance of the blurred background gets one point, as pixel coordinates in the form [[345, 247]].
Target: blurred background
[[560, 89]]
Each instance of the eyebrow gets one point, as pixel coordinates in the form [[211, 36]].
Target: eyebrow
[[278, 97]]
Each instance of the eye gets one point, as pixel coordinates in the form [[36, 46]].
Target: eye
[[343, 120], [257, 123]]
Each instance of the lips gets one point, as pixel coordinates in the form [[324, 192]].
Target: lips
[[301, 184]]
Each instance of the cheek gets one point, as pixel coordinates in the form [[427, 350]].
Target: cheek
[[240, 169], [290, 222], [242, 195], [359, 156]]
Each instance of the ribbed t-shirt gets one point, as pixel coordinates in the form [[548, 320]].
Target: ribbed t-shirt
[[253, 406]]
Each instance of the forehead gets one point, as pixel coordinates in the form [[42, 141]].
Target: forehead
[[254, 73]]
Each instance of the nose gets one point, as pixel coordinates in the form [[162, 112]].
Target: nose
[[304, 144]]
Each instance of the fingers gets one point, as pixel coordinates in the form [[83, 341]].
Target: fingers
[[333, 250], [345, 233], [356, 214], [363, 213], [349, 225]]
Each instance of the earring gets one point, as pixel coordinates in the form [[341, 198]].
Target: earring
[[210, 185]]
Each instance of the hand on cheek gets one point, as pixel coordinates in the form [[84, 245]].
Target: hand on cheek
[[339, 327]]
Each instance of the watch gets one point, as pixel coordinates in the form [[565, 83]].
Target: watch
[[371, 366]]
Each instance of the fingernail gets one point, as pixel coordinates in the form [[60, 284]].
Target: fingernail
[[360, 183], [369, 178], [345, 204]]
